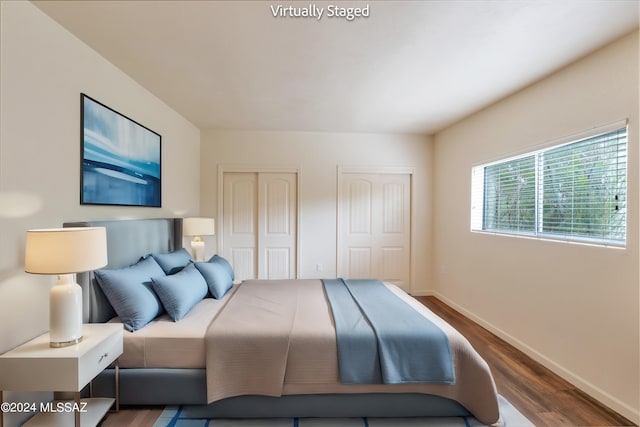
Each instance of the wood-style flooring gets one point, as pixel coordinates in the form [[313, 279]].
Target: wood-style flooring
[[539, 394]]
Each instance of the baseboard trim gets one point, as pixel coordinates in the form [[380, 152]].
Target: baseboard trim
[[584, 385], [425, 294]]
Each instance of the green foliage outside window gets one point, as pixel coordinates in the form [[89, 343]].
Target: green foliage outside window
[[577, 190]]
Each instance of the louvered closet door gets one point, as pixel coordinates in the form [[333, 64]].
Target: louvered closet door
[[259, 224], [375, 224]]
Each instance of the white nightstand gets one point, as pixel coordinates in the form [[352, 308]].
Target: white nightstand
[[34, 366]]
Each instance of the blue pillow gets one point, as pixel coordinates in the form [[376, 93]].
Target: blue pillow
[[181, 291], [218, 280], [129, 292], [173, 262], [217, 259]]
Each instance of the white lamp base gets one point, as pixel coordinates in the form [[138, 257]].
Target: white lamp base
[[65, 312], [197, 249]]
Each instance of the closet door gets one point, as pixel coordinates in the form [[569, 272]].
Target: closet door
[[375, 227], [240, 220], [260, 224], [277, 227]]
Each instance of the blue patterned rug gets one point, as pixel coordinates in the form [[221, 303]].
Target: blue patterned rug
[[179, 416]]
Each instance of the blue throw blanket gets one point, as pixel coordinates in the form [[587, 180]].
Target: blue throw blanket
[[381, 339]]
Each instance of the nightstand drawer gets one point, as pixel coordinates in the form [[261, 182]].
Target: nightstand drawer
[[99, 358], [35, 366]]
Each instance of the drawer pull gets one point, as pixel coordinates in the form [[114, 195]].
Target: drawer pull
[[103, 357]]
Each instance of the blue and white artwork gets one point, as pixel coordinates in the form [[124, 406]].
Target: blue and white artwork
[[120, 159]]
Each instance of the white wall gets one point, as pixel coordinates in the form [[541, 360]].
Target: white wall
[[577, 305], [44, 70], [318, 155]]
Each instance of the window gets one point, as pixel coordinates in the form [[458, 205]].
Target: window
[[574, 191]]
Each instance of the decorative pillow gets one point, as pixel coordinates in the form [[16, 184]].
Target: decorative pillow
[[217, 276], [181, 291], [129, 292], [173, 262], [217, 259]]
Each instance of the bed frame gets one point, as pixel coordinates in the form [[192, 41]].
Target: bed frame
[[127, 242]]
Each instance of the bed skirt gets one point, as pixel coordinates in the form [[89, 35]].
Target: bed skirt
[[188, 387]]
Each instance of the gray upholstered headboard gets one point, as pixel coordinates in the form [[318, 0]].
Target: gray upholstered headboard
[[127, 242]]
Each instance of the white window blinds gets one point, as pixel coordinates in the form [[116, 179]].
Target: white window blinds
[[574, 191]]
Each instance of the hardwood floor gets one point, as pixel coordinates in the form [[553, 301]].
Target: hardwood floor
[[133, 416], [539, 394]]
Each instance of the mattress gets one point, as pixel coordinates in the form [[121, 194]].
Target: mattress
[[164, 343]]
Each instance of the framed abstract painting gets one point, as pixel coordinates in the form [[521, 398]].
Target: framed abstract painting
[[121, 159]]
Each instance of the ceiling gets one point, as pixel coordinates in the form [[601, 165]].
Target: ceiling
[[410, 67]]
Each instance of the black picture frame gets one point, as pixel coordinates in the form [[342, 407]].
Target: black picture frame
[[121, 160]]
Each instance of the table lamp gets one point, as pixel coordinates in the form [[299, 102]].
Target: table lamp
[[198, 227], [64, 252]]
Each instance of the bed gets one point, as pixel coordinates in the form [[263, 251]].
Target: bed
[[168, 362]]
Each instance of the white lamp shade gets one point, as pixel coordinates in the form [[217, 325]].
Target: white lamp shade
[[65, 250], [198, 227]]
